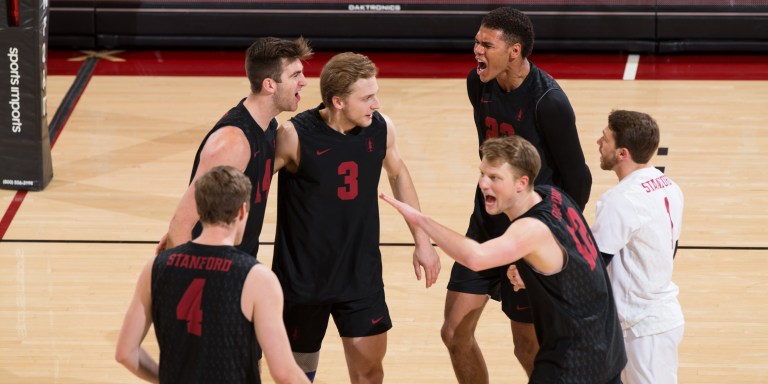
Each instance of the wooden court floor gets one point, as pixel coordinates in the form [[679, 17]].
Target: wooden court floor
[[70, 257]]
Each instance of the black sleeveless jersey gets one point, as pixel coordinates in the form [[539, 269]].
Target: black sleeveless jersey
[[327, 240], [498, 113], [573, 310], [259, 170], [199, 323]]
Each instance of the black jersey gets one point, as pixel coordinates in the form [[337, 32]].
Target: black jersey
[[327, 240], [199, 323], [538, 111], [259, 170], [574, 313]]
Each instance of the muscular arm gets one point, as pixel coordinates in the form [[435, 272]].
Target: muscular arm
[[556, 123], [526, 238], [287, 153], [226, 146], [403, 189], [136, 323], [262, 302]]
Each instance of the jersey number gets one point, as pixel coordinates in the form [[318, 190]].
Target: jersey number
[[263, 185], [584, 243], [493, 129], [189, 307], [348, 170]]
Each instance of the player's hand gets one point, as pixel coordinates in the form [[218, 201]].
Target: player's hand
[[425, 256], [161, 245], [514, 277], [410, 214]]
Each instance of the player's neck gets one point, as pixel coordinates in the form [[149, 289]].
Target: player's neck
[[261, 108], [217, 235], [514, 75], [626, 168], [335, 119], [524, 203]]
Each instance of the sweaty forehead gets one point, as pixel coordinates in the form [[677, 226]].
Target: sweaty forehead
[[495, 166], [362, 87], [291, 66], [488, 35]]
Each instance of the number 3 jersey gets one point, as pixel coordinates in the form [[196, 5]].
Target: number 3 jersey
[[573, 310], [327, 236], [203, 335]]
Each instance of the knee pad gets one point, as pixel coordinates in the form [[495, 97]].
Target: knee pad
[[308, 362]]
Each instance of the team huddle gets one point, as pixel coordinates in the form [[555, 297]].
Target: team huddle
[[587, 303]]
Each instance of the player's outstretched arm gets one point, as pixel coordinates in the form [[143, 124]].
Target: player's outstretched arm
[[136, 323], [526, 237]]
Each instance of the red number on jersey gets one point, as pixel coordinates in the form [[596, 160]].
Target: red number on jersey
[[263, 186], [189, 307], [494, 130], [584, 243], [348, 169]]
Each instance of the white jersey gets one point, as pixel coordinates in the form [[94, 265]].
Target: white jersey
[[638, 221]]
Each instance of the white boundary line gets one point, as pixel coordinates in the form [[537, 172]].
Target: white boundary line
[[630, 70]]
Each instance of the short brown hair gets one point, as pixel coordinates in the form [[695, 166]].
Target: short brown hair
[[220, 193], [635, 131], [515, 26], [267, 56], [516, 151], [340, 72]]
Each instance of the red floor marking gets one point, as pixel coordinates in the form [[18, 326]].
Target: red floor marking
[[429, 65], [391, 64], [699, 67], [5, 222]]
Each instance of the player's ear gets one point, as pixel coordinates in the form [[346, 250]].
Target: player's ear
[[243, 212], [338, 102], [268, 84], [515, 50]]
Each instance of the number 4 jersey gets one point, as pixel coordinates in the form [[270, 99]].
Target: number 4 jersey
[[204, 336], [327, 239]]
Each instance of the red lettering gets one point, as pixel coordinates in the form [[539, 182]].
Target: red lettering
[[584, 242], [184, 262], [226, 266]]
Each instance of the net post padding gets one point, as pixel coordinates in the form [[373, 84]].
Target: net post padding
[[25, 144]]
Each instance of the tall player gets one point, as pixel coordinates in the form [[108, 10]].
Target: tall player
[[510, 96], [327, 254], [551, 245], [245, 137], [638, 223], [209, 301]]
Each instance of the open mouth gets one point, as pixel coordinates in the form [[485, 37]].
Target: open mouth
[[490, 200]]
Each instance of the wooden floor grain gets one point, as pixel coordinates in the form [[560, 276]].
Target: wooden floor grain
[[72, 253]]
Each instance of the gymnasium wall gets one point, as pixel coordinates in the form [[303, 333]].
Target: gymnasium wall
[[662, 26]]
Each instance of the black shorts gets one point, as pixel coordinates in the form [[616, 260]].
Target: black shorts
[[492, 282], [306, 323]]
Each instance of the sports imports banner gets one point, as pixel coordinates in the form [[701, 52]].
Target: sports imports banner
[[25, 146]]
